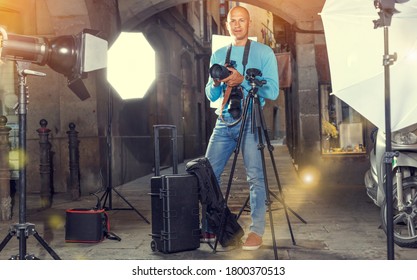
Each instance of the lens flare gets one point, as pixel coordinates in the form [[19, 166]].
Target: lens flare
[[17, 159], [310, 176], [56, 222]]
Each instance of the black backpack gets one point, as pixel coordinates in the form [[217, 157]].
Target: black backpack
[[211, 197]]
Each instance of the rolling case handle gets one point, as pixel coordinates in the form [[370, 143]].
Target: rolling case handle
[[173, 129]]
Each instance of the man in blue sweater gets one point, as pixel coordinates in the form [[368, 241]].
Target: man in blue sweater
[[241, 55]]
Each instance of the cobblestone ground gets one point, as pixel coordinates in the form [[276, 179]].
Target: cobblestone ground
[[342, 223]]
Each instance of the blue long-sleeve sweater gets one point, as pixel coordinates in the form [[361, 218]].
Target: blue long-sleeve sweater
[[260, 57]]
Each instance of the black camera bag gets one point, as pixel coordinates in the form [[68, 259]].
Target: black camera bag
[[212, 199]]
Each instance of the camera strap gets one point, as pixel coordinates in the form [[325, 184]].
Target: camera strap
[[229, 89], [245, 55]]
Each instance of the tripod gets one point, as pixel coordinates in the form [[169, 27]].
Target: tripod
[[107, 195], [258, 121], [23, 229]]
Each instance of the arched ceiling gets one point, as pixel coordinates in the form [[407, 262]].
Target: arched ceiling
[[132, 12]]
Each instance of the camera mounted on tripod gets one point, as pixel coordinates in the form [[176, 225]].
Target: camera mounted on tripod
[[219, 72]]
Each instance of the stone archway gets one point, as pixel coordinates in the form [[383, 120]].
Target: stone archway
[[132, 12]]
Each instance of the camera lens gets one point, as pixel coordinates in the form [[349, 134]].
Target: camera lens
[[219, 72], [235, 109], [235, 106]]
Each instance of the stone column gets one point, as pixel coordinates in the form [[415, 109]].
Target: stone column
[[74, 162], [45, 164], [307, 95], [5, 199]]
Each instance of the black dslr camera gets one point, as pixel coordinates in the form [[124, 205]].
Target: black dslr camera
[[220, 72]]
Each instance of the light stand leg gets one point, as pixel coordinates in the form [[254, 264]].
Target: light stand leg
[[45, 245], [6, 240], [131, 206], [28, 229]]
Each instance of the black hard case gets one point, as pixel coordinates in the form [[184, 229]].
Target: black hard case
[[175, 213], [175, 205]]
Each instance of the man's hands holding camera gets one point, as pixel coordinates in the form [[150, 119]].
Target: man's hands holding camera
[[234, 79]]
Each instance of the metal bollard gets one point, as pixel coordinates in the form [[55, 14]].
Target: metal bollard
[[5, 199], [74, 162], [45, 164]]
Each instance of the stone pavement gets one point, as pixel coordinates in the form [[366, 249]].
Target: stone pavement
[[342, 223]]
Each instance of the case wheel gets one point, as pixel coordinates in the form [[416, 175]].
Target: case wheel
[[153, 246]]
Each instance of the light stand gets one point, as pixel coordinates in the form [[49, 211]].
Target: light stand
[[384, 21], [388, 60], [258, 121], [120, 75], [107, 195], [72, 56], [23, 229]]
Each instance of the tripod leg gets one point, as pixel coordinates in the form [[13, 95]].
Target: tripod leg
[[289, 208], [283, 200], [268, 198], [243, 207], [270, 149]]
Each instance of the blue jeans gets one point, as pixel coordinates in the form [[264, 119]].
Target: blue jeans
[[221, 146]]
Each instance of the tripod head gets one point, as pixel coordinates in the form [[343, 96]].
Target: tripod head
[[251, 75]]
